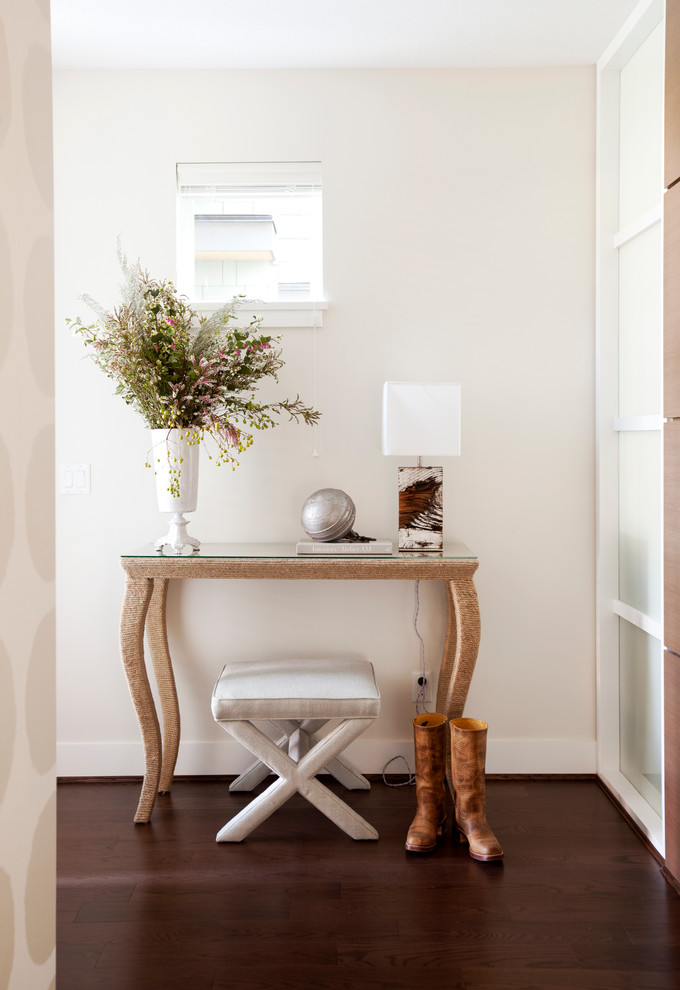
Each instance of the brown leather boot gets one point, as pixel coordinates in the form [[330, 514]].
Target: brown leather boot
[[468, 757], [429, 733]]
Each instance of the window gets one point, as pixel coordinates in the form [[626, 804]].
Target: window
[[250, 229]]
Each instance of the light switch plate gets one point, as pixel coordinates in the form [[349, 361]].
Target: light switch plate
[[74, 479]]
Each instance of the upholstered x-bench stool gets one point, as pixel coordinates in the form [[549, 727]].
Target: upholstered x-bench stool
[[299, 697]]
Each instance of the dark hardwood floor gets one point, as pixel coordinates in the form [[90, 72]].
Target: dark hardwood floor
[[578, 901]]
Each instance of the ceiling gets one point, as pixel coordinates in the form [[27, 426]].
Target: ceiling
[[189, 34]]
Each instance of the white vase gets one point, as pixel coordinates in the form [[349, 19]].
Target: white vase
[[174, 459]]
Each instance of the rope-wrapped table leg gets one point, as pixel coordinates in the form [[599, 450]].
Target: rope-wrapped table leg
[[133, 618], [157, 638], [463, 631]]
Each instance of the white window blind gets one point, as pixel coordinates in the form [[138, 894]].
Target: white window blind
[[225, 178]]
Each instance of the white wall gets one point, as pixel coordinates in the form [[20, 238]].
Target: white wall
[[458, 244]]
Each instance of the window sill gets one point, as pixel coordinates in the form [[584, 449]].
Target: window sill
[[300, 313]]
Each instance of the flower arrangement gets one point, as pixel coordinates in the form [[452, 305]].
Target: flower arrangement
[[179, 370]]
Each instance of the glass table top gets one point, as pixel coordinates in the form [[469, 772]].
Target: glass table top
[[282, 551]]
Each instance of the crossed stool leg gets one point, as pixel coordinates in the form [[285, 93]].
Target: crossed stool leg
[[298, 736], [303, 695]]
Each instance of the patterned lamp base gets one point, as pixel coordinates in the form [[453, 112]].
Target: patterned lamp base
[[421, 501]]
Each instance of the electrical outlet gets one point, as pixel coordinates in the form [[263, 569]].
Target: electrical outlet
[[418, 690]]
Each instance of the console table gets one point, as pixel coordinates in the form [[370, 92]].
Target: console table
[[144, 609]]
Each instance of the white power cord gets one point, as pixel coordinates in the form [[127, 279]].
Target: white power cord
[[402, 783], [420, 697]]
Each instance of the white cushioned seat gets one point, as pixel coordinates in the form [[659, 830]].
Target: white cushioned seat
[[266, 689], [299, 697]]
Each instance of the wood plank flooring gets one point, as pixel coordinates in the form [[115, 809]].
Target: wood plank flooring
[[578, 901]]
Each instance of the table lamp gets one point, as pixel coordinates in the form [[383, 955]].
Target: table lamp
[[421, 419]]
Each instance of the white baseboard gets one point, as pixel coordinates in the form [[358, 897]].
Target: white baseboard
[[541, 756], [521, 756]]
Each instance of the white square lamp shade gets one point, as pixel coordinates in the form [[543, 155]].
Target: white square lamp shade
[[421, 419]]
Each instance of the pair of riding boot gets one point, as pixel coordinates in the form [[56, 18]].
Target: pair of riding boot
[[468, 758]]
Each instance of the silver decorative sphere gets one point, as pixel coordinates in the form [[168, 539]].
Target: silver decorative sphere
[[328, 514]]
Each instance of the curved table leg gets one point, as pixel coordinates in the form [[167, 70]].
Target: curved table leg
[[133, 617], [157, 638], [463, 631]]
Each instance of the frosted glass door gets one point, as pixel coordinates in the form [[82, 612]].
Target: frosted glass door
[[630, 439]]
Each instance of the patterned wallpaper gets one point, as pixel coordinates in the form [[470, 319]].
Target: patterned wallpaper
[[27, 678]]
